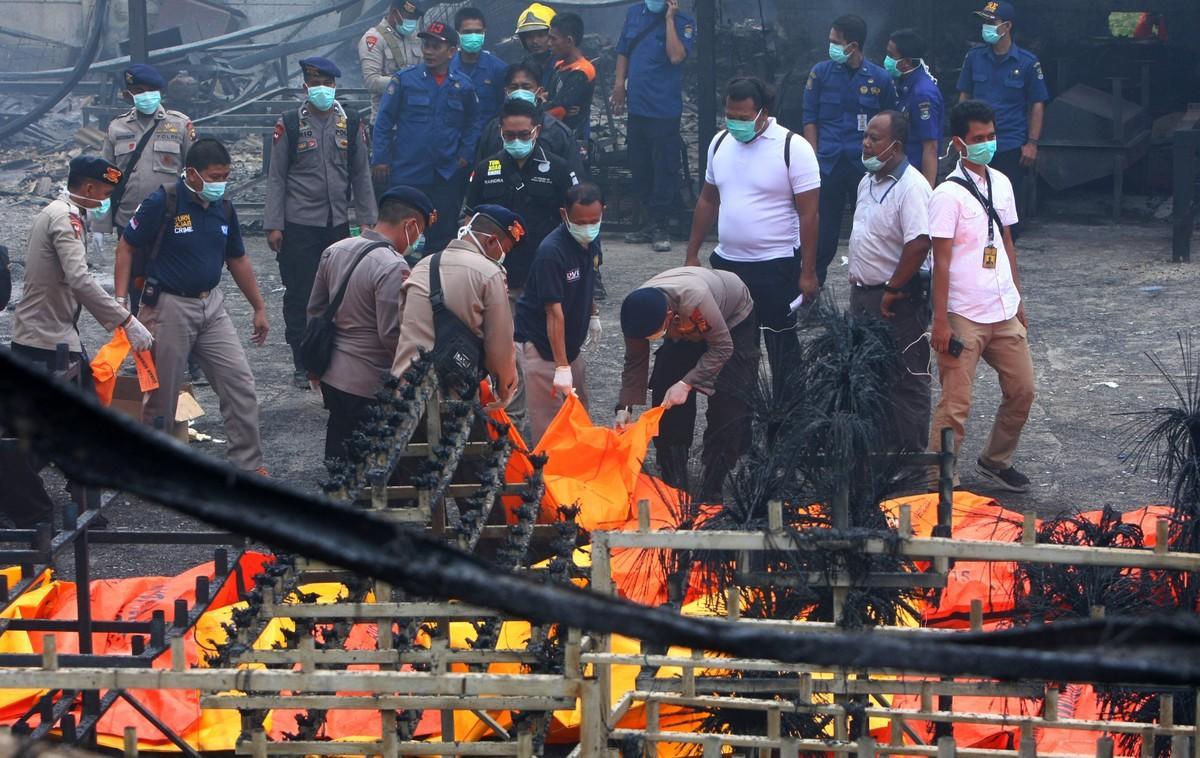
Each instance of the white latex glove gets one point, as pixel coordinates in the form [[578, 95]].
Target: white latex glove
[[594, 332], [140, 338], [623, 420], [564, 383], [677, 395]]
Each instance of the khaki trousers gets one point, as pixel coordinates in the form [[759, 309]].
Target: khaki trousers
[[541, 405], [201, 327], [1005, 347]]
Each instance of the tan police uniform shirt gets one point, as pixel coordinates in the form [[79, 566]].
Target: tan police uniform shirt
[[382, 52], [160, 163], [707, 304], [313, 191], [368, 321], [475, 290], [58, 283]]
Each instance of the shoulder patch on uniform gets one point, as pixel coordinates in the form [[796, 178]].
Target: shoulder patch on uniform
[[700, 322], [279, 130], [689, 31], [494, 167], [926, 111], [77, 226], [191, 130], [372, 41], [391, 88], [1037, 66]]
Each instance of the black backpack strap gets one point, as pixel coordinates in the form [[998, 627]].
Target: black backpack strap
[[118, 192], [341, 293], [643, 34], [787, 150], [291, 125], [170, 206], [720, 138], [436, 299]]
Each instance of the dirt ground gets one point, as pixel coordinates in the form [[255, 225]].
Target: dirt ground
[[1098, 297]]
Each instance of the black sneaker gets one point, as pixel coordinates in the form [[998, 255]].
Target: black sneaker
[[640, 237], [196, 375], [1006, 479], [300, 379]]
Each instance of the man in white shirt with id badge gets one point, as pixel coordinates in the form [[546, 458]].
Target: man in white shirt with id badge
[[889, 250], [978, 310]]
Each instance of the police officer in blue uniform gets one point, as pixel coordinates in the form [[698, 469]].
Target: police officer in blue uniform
[[842, 95], [1009, 79], [485, 70], [426, 130], [920, 100], [654, 43]]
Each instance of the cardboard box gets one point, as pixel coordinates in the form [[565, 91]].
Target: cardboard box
[[127, 399]]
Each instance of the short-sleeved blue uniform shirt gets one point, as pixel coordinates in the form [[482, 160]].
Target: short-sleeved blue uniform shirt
[[921, 101], [487, 74], [655, 87], [195, 243], [1010, 84], [562, 272], [841, 100]]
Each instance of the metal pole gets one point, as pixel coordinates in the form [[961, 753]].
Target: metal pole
[[706, 98], [139, 50]]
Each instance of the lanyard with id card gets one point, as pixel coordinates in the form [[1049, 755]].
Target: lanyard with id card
[[990, 254]]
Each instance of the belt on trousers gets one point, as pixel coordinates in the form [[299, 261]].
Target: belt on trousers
[[202, 294]]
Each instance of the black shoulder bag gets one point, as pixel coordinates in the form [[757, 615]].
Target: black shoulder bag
[[316, 345], [118, 193], [457, 351]]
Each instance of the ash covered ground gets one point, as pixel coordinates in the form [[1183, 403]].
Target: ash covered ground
[[1098, 297]]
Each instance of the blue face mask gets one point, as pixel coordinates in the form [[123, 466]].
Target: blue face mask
[[991, 33], [656, 6], [471, 42], [743, 131], [210, 191], [875, 163], [147, 102], [418, 244], [837, 53], [407, 27], [982, 152], [527, 95], [321, 96], [584, 234], [519, 148], [893, 67]]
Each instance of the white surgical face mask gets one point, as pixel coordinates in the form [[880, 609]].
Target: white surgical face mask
[[467, 231]]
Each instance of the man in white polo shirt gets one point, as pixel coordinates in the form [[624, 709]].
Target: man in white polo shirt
[[889, 248], [977, 305], [764, 183]]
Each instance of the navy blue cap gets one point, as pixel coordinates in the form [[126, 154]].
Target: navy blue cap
[[510, 221], [440, 31], [413, 198], [145, 75], [643, 312], [998, 11], [93, 167], [317, 65]]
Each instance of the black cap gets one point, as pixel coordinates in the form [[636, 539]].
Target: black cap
[[643, 312], [413, 198], [998, 11], [93, 167], [145, 75], [318, 65], [439, 31]]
